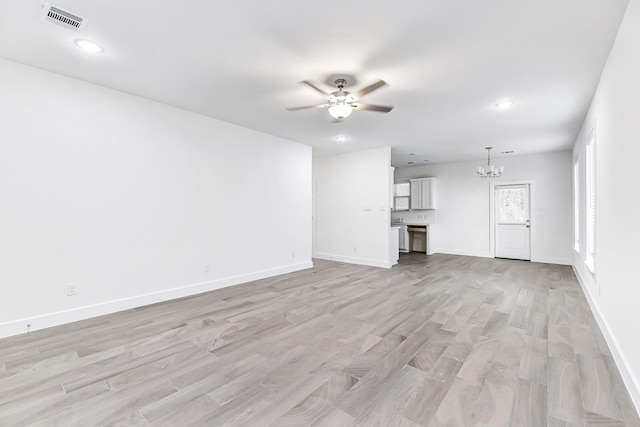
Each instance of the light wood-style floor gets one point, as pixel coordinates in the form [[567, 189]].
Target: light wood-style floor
[[436, 341]]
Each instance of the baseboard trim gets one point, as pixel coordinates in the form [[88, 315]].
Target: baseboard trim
[[354, 260], [630, 380], [462, 252], [81, 313], [546, 260], [552, 260]]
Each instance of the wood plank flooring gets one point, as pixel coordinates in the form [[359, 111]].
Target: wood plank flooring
[[435, 341]]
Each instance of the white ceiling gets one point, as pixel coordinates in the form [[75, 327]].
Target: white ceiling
[[446, 62]]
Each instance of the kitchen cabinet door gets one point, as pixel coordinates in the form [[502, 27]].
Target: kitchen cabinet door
[[423, 193], [402, 241]]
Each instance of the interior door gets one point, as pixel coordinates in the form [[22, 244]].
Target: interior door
[[513, 225]]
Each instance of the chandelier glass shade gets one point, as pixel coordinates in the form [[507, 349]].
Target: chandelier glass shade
[[491, 171]]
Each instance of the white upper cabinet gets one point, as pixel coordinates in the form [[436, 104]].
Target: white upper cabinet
[[423, 193]]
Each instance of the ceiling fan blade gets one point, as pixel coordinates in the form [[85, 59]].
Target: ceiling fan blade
[[368, 89], [307, 106], [372, 107], [312, 85]]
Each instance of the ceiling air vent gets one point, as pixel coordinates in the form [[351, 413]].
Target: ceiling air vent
[[57, 16]]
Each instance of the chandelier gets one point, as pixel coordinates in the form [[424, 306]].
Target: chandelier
[[491, 171]]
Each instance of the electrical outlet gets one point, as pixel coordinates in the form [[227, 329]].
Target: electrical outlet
[[355, 249], [71, 289], [207, 268], [293, 254]]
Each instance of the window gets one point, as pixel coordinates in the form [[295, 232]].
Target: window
[[512, 205], [576, 205], [591, 201], [401, 192]]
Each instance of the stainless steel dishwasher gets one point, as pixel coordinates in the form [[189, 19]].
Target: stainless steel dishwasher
[[418, 238]]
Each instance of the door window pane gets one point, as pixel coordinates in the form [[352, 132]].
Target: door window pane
[[511, 206]]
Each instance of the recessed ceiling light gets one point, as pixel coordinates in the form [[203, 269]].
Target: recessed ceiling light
[[89, 46], [503, 105]]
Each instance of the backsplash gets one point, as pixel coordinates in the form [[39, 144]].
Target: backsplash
[[415, 217]]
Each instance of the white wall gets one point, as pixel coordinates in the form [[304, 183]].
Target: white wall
[[131, 199], [351, 217], [463, 204], [429, 216], [614, 289]]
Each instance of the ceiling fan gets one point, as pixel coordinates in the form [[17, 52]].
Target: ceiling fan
[[341, 102]]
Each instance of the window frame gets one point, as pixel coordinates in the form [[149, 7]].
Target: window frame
[[576, 204], [396, 197], [590, 202]]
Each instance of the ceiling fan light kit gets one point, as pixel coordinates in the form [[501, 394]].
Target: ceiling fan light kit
[[491, 171], [340, 110], [341, 103]]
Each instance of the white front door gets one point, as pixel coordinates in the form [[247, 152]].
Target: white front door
[[513, 225]]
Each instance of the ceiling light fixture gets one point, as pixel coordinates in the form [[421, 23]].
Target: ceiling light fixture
[[491, 171], [341, 139], [340, 110], [341, 103], [503, 105], [89, 46]]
